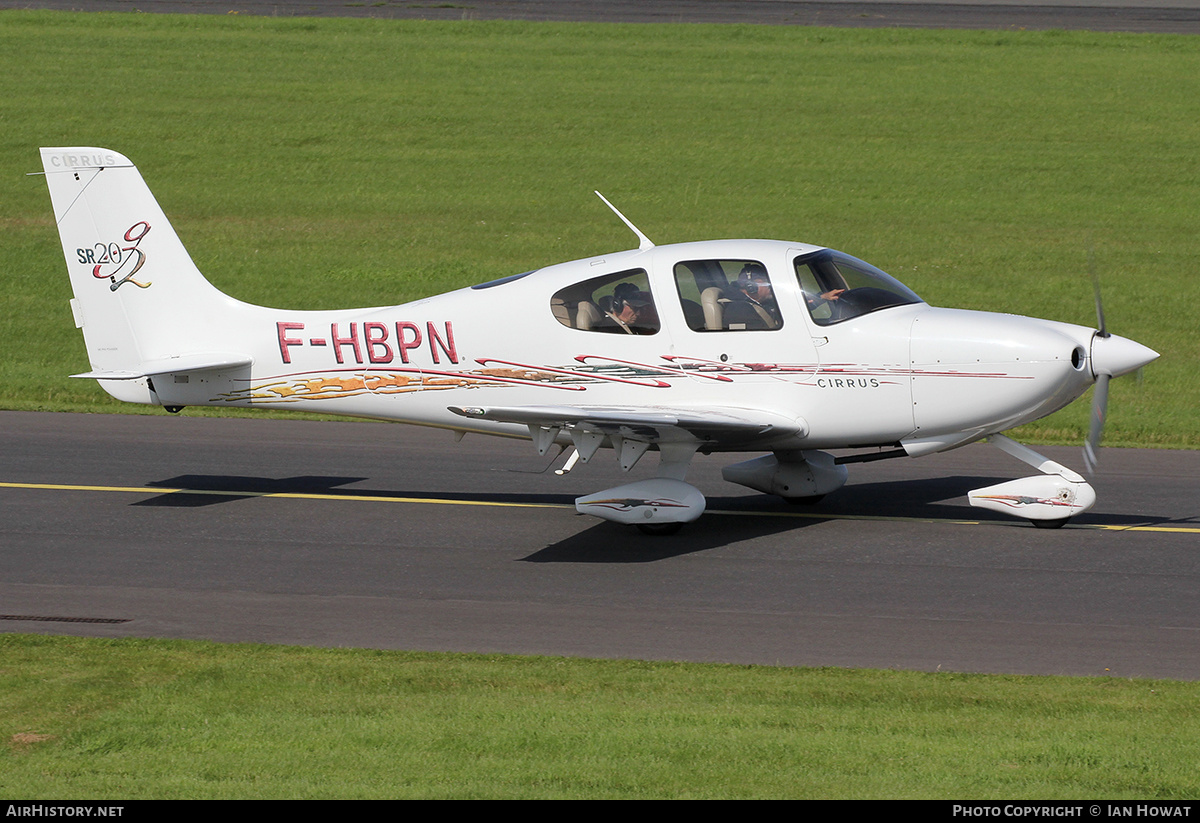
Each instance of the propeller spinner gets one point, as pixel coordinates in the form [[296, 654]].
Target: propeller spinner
[[1112, 356]]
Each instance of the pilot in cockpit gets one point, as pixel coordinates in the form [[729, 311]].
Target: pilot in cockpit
[[633, 310], [828, 296]]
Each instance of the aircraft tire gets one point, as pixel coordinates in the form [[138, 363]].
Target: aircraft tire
[[659, 529], [1051, 524]]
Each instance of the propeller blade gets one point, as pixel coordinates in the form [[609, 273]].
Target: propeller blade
[[1099, 410], [1096, 289], [1112, 356]]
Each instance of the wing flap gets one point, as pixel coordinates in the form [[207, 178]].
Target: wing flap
[[652, 424]]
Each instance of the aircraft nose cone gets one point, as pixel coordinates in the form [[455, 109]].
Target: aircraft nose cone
[[1115, 355]]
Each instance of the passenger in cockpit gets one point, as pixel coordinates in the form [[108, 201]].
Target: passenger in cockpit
[[753, 286]]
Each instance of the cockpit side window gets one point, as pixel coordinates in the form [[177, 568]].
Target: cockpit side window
[[727, 295], [838, 287], [615, 304]]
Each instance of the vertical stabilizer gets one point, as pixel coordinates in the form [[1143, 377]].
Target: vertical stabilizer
[[139, 298]]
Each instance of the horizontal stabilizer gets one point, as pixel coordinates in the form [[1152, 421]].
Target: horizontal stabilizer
[[175, 365]]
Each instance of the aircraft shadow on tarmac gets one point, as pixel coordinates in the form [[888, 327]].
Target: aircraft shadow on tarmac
[[193, 490], [605, 542], [729, 520], [726, 521], [732, 520]]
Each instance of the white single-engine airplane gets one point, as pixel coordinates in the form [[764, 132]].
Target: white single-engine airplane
[[721, 346]]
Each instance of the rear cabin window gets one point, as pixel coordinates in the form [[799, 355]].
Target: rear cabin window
[[727, 295], [612, 304]]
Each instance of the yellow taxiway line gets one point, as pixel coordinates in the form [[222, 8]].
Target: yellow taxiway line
[[441, 501]]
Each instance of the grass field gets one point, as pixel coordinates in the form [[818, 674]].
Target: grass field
[[164, 719], [320, 163], [316, 164]]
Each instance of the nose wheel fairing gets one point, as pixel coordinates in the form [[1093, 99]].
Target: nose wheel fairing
[[1051, 498], [1041, 498]]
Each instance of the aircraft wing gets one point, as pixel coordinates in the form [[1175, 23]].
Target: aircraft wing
[[589, 425]]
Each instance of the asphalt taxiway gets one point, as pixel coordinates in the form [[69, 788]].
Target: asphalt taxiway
[[1163, 16], [385, 536]]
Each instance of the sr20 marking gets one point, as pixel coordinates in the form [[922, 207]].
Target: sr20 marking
[[119, 258]]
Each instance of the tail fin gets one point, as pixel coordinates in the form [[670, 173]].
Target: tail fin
[[142, 304]]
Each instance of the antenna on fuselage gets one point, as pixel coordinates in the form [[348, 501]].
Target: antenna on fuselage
[[643, 241]]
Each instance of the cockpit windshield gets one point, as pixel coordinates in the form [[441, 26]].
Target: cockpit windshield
[[838, 287]]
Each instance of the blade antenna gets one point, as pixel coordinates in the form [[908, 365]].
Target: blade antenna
[[643, 241]]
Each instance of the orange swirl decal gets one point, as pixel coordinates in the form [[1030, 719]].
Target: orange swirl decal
[[615, 374]]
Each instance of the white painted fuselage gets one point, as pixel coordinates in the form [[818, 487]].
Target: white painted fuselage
[[906, 373]]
